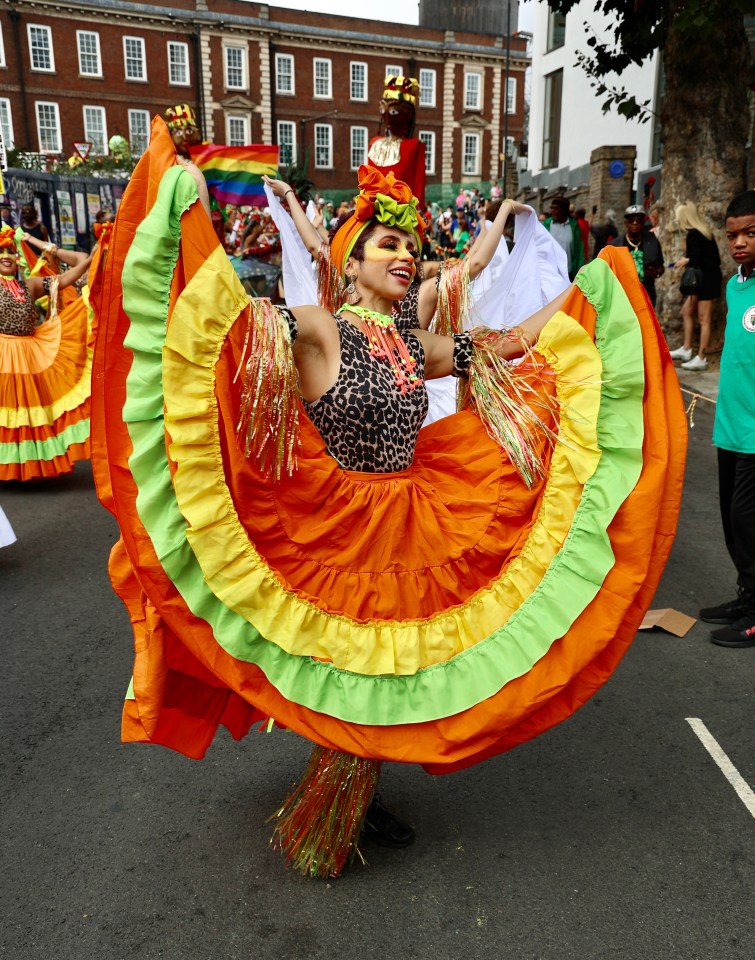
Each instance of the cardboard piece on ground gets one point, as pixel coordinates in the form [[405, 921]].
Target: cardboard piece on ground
[[670, 620]]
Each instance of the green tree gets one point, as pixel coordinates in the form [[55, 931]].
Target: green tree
[[705, 114]]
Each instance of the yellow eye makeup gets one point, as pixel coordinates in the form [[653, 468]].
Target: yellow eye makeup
[[389, 248]]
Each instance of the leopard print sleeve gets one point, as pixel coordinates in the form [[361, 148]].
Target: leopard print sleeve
[[462, 356], [291, 322]]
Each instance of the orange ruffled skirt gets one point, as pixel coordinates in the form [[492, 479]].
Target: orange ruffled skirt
[[436, 616]]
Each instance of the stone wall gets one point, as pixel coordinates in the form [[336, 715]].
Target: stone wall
[[611, 180]]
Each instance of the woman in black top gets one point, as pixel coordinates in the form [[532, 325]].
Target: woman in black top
[[701, 252], [32, 224]]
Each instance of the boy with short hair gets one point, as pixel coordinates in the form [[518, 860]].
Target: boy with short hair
[[734, 429]]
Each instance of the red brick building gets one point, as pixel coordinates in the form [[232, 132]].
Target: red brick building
[[89, 69]]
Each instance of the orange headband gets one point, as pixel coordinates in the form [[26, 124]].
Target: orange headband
[[383, 199]]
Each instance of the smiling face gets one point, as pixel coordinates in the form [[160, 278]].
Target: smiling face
[[386, 264], [8, 263]]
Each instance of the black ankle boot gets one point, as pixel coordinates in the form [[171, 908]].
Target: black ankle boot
[[383, 828]]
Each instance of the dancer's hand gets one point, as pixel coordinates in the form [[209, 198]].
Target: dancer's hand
[[517, 207], [279, 187], [510, 344]]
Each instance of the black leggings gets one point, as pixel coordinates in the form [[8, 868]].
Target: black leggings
[[736, 491]]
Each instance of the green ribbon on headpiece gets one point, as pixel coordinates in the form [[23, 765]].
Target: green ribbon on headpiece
[[18, 236], [391, 213]]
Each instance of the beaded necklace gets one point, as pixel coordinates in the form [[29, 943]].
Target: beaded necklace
[[386, 343], [638, 255]]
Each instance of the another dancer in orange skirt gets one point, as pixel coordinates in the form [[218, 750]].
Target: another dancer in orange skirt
[[296, 551], [45, 371]]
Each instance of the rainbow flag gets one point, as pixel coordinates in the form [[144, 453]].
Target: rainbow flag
[[234, 174]]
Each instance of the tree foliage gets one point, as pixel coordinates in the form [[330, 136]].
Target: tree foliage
[[296, 176], [640, 27]]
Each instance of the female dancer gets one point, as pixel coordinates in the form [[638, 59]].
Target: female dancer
[[409, 316], [44, 373], [701, 252], [421, 596], [505, 289]]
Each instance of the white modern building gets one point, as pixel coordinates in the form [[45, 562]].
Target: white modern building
[[566, 118]]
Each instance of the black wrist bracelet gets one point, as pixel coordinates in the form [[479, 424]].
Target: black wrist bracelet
[[290, 190], [462, 355]]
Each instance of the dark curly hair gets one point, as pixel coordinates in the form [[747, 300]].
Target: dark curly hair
[[743, 205]]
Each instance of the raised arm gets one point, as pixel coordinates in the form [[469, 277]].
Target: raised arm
[[200, 181], [476, 260], [69, 257], [487, 243], [43, 245], [317, 351], [311, 239], [36, 284], [439, 351]]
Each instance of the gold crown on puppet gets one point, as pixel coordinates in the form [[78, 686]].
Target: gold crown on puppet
[[401, 88], [182, 115]]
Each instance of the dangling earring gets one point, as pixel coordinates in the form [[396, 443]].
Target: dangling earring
[[353, 296]]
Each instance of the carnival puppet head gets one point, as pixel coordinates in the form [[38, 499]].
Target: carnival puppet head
[[182, 123], [398, 106]]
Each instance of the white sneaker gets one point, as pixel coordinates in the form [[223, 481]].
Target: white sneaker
[[696, 363], [681, 353]]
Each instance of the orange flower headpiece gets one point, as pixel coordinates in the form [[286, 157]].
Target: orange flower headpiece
[[383, 199], [8, 238], [401, 88]]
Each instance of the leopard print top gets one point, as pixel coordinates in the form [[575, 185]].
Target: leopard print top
[[366, 422], [405, 317], [18, 319]]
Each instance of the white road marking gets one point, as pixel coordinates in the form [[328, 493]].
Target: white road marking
[[742, 788]]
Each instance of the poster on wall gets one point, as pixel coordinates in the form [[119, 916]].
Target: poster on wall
[[106, 195], [65, 212], [94, 205], [81, 213]]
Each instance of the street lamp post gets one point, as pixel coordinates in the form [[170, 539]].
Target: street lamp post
[[305, 120], [506, 101]]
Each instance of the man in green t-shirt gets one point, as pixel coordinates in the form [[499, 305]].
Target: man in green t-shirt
[[734, 429]]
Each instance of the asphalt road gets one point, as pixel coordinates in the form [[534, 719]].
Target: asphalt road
[[613, 836]]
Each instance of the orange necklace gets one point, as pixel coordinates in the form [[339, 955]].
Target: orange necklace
[[386, 343], [15, 288]]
